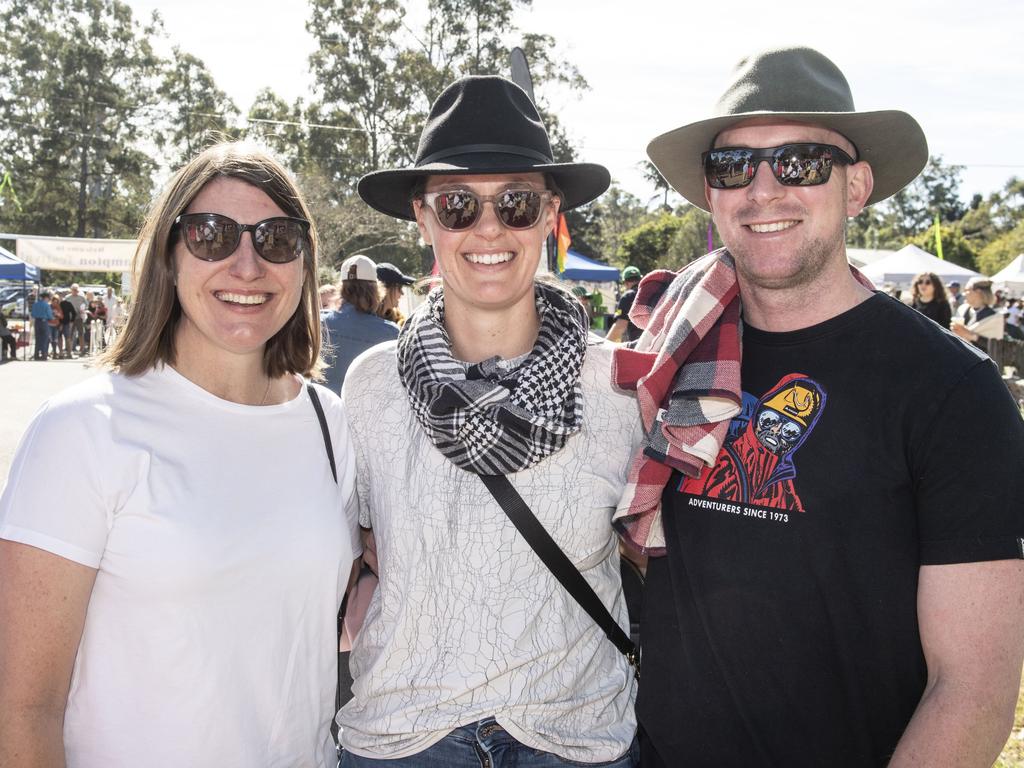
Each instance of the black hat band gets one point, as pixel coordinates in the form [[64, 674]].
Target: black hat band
[[469, 149]]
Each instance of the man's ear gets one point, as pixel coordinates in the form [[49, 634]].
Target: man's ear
[[860, 181]]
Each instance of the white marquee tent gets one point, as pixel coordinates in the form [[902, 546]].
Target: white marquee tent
[[899, 269], [1011, 276]]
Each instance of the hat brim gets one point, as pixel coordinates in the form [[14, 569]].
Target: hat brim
[[389, 191], [891, 141]]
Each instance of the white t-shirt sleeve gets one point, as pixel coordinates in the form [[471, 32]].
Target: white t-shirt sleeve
[[356, 399], [54, 498], [345, 461]]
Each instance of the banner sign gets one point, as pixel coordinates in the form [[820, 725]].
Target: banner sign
[[77, 254]]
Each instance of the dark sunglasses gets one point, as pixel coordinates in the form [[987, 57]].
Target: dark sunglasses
[[793, 165], [924, 281], [212, 237], [459, 209]]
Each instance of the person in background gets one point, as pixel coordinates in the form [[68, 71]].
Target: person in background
[[395, 283], [329, 298], [169, 597], [96, 318], [956, 298], [1013, 312], [8, 346], [56, 326], [472, 652], [928, 296], [623, 328], [42, 314], [583, 297], [980, 320], [77, 337], [115, 316], [69, 322], [837, 570], [354, 327]]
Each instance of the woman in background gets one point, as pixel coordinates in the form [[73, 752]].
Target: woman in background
[[928, 296]]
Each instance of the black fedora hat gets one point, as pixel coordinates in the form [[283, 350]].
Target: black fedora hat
[[802, 85], [480, 125]]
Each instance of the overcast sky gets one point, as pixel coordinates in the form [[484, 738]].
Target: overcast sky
[[653, 65]]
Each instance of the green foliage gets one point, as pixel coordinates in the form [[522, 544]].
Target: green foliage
[[956, 247], [661, 186], [648, 246], [892, 222], [609, 218], [1002, 250], [691, 240], [85, 100], [199, 112], [76, 80]]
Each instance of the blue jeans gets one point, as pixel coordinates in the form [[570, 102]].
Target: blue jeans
[[484, 744], [42, 336]]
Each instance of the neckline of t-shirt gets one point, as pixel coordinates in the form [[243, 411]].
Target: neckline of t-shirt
[[828, 327], [194, 390]]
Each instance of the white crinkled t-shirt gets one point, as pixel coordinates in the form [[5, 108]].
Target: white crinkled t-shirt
[[222, 545], [467, 622]]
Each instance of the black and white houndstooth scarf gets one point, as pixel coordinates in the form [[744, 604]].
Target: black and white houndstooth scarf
[[489, 418]]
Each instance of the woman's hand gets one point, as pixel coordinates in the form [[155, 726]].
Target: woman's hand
[[369, 549], [43, 599], [963, 332]]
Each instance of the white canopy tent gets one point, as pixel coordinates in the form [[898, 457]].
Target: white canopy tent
[[899, 269], [1011, 277]]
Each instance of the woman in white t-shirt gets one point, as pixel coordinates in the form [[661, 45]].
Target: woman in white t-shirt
[[472, 652], [169, 597]]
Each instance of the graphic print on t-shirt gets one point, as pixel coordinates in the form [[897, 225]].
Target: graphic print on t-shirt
[[755, 467]]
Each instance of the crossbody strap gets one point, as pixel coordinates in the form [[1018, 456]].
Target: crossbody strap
[[315, 398], [323, 428], [560, 566]]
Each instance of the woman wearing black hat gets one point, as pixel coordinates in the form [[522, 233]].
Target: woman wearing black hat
[[395, 283], [471, 649]]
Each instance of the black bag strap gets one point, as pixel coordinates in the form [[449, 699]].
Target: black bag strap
[[561, 566], [323, 428], [315, 398]]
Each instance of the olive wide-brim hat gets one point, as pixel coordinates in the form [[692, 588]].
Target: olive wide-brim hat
[[482, 125], [799, 85]]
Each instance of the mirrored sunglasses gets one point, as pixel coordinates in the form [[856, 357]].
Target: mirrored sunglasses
[[794, 165], [460, 209], [213, 237]]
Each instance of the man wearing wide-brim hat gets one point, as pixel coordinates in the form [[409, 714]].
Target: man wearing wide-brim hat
[[841, 580]]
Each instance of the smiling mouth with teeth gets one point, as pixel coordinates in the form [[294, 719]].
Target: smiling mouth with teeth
[[242, 298], [489, 258], [775, 226]]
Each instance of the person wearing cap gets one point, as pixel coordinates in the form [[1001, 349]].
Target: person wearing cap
[[833, 579], [394, 282], [472, 651], [623, 328], [354, 327]]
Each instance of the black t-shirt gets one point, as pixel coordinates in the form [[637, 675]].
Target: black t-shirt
[[69, 311], [937, 310], [781, 628], [622, 313]]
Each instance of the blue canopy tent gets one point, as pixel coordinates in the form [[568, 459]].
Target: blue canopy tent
[[13, 268], [579, 267]]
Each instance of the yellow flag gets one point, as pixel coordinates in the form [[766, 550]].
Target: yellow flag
[[7, 187], [938, 237]]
